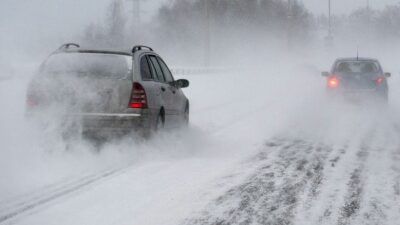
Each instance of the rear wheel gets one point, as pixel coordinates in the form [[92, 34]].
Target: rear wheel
[[385, 100], [157, 126], [383, 97], [160, 122]]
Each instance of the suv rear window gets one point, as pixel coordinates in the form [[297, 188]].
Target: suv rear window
[[94, 65]]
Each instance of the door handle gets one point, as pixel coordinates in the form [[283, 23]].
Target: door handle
[[163, 89]]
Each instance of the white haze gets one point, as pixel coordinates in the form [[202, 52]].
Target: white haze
[[344, 6], [263, 91]]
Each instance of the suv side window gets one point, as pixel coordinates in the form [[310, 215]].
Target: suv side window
[[145, 69], [157, 69], [167, 73]]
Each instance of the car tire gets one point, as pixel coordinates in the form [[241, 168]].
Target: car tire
[[156, 126], [186, 116], [383, 98], [160, 122]]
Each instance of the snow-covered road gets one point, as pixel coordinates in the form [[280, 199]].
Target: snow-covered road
[[311, 182], [262, 148]]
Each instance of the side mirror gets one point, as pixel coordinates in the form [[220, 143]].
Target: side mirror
[[325, 74], [387, 74], [182, 83]]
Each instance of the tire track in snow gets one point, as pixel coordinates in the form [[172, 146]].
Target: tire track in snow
[[381, 202], [344, 185], [309, 200], [395, 212], [19, 206], [395, 168], [271, 193], [300, 182], [355, 186]]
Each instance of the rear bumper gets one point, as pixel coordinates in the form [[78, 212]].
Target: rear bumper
[[97, 123], [360, 95], [115, 123]]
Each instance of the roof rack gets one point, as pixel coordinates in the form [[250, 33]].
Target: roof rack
[[67, 46], [140, 47]]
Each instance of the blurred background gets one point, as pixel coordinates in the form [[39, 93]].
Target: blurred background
[[202, 33]]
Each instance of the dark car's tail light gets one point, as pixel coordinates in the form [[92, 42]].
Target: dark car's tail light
[[333, 82], [138, 97], [380, 80]]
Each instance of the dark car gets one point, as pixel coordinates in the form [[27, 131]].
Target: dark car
[[107, 92], [357, 79]]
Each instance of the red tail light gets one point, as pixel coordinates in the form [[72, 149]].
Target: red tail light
[[380, 80], [138, 97], [333, 82]]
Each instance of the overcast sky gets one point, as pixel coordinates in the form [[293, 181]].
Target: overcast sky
[[33, 21], [30, 21], [72, 13]]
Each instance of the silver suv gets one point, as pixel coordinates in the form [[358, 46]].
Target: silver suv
[[107, 92]]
